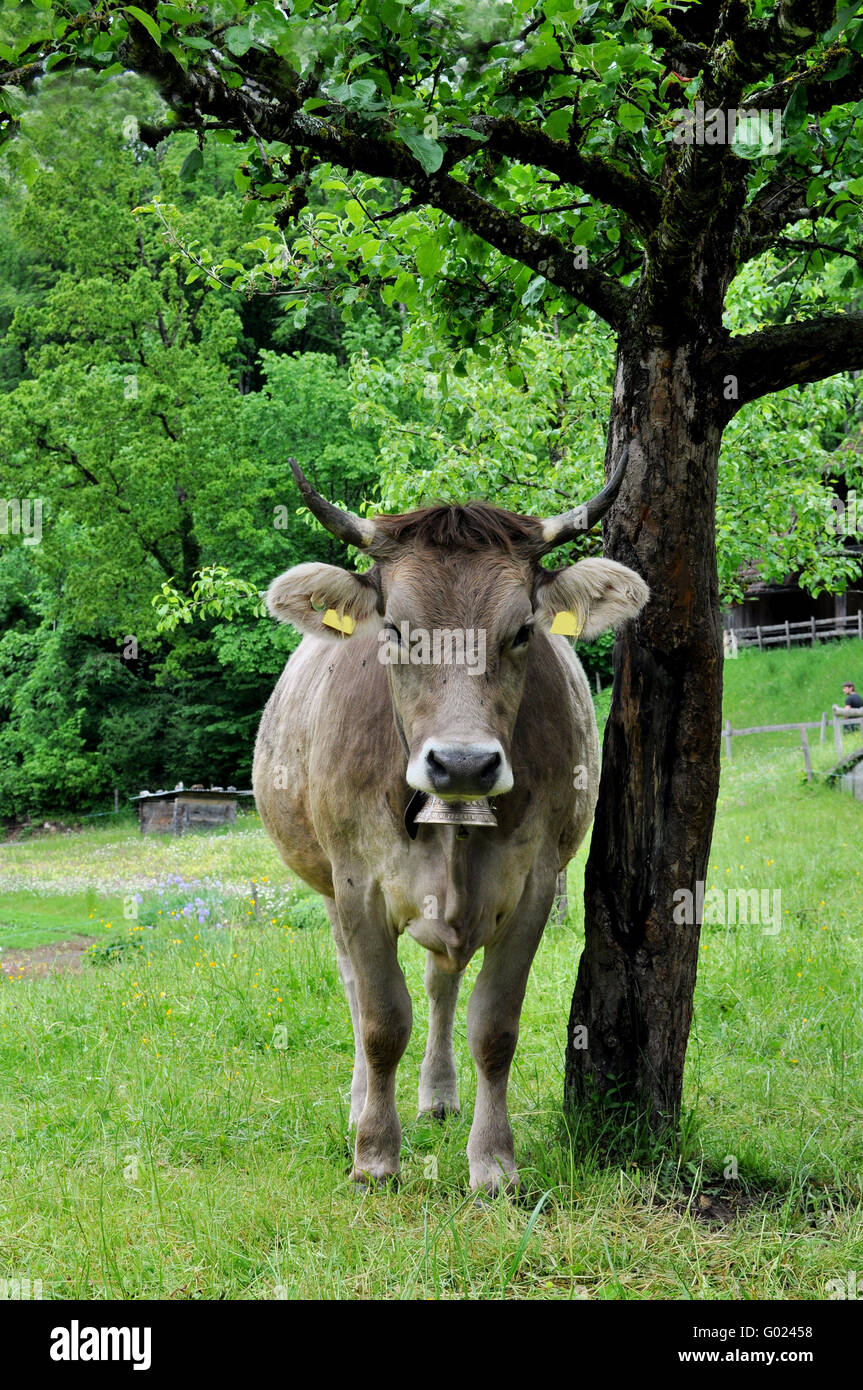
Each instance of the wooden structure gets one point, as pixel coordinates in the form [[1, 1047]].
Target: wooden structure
[[784, 634], [848, 772], [183, 809], [839, 718]]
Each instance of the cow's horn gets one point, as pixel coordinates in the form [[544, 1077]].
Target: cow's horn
[[557, 530], [353, 530]]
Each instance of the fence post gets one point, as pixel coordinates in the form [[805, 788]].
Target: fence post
[[813, 628], [727, 737], [806, 759], [823, 727], [598, 686], [837, 735], [860, 622], [787, 635], [758, 634]]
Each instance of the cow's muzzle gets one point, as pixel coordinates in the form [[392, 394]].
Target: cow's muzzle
[[459, 771]]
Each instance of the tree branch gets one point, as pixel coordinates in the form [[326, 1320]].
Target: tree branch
[[625, 189], [194, 94], [779, 203], [822, 91], [782, 36], [790, 354]]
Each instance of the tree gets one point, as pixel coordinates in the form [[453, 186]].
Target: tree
[[127, 410], [499, 158]]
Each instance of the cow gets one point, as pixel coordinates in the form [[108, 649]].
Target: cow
[[370, 725]]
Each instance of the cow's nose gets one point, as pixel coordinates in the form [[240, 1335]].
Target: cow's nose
[[463, 770]]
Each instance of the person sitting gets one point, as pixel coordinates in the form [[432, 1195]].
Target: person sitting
[[853, 703]]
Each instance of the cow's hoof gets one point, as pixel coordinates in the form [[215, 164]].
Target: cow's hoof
[[375, 1182], [440, 1109], [493, 1179]]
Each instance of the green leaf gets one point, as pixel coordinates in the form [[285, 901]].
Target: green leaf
[[428, 152], [630, 117], [147, 21], [175, 15], [190, 166], [429, 257], [794, 114], [842, 19], [11, 101], [239, 39], [534, 291], [558, 123], [354, 95], [544, 53]]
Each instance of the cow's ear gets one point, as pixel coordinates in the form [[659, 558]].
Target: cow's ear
[[585, 599], [325, 601]]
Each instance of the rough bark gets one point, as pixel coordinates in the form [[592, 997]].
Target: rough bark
[[660, 771]]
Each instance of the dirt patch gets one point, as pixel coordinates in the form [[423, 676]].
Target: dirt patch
[[55, 957], [715, 1208]]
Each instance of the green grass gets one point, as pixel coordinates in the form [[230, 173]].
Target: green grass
[[174, 1117], [778, 686], [28, 919]]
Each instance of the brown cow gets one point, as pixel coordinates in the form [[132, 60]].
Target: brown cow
[[422, 689]]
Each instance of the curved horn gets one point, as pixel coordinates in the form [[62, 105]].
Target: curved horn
[[353, 530], [557, 530]]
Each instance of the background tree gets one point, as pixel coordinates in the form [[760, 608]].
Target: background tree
[[500, 157], [150, 417]]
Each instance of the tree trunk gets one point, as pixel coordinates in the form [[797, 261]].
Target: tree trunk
[[632, 1006]]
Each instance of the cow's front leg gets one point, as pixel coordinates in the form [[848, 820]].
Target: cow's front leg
[[346, 971], [385, 1023], [492, 1029], [438, 1093]]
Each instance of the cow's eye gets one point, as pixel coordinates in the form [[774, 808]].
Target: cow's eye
[[522, 637]]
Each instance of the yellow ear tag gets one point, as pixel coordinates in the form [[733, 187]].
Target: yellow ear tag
[[344, 624], [565, 624]]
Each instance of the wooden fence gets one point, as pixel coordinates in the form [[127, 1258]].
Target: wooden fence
[[837, 719], [783, 634]]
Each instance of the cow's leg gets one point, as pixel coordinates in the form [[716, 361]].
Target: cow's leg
[[438, 1093], [358, 1080], [492, 1029], [385, 1026]]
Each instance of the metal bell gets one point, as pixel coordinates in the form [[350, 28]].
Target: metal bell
[[437, 812]]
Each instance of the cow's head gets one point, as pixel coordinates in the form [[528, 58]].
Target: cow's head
[[455, 599]]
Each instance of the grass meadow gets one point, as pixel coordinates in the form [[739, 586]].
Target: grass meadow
[[173, 1115]]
